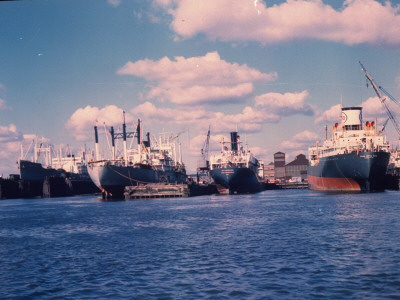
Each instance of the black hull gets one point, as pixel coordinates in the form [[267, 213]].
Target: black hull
[[352, 172], [112, 179], [35, 171], [237, 180]]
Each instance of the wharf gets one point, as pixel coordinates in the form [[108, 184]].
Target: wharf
[[168, 190], [392, 182], [14, 187], [293, 185]]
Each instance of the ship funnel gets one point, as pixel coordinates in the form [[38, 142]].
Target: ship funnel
[[234, 145], [139, 141], [147, 143], [96, 139], [352, 118]]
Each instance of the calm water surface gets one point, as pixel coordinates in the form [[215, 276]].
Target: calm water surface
[[294, 244]]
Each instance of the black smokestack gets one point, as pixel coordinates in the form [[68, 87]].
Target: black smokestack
[[112, 136], [138, 132], [147, 143], [234, 145], [96, 136]]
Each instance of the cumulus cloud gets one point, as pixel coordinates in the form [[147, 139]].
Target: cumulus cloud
[[331, 115], [9, 134], [178, 116], [285, 104], [248, 120], [300, 142], [114, 3], [11, 140], [82, 120], [196, 80], [356, 22]]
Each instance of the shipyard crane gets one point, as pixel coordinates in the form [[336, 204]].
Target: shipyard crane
[[204, 150], [204, 164], [383, 99]]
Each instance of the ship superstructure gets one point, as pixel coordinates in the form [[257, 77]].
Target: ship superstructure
[[157, 161], [354, 159], [49, 162], [235, 170]]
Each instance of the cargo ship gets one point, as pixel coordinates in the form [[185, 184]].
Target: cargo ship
[[235, 170], [355, 159], [43, 164], [47, 162], [156, 162]]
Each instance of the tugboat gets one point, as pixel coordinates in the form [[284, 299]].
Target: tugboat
[[355, 159], [235, 171], [146, 164]]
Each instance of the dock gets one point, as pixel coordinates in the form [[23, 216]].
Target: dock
[[158, 190], [14, 187], [293, 185]]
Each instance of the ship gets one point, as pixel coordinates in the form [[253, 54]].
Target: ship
[[45, 165], [47, 162], [154, 161], [354, 159], [235, 170]]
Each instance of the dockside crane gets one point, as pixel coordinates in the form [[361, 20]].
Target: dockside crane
[[204, 150], [383, 100], [204, 164]]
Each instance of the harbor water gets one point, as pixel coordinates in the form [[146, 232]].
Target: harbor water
[[278, 244]]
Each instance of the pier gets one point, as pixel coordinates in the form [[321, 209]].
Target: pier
[[292, 185], [168, 191], [14, 187]]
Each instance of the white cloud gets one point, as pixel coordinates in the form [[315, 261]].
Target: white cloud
[[333, 114], [11, 140], [300, 142], [82, 120], [114, 3], [285, 104], [3, 105], [196, 80], [178, 116], [9, 134], [356, 22], [249, 120]]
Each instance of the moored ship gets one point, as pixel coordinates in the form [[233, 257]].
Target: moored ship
[[47, 163], [235, 170], [355, 159], [149, 163]]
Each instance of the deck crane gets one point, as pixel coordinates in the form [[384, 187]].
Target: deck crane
[[383, 99]]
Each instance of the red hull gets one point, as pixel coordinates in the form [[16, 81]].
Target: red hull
[[333, 184]]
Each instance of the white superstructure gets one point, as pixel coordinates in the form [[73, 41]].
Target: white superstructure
[[352, 135]]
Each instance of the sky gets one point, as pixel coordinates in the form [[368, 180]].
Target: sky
[[277, 71]]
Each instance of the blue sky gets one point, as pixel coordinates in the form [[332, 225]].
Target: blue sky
[[275, 69]]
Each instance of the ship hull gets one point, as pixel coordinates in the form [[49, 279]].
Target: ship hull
[[236, 180], [35, 171], [350, 172], [112, 179]]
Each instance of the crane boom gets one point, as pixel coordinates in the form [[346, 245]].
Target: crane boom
[[204, 151], [382, 99]]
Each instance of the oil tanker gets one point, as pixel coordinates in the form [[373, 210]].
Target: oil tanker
[[355, 159]]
